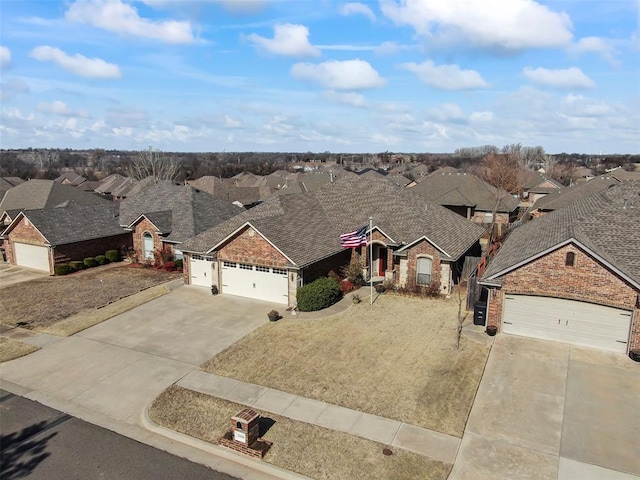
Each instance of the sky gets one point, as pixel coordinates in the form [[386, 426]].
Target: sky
[[320, 75]]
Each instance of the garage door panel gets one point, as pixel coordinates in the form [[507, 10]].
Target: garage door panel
[[569, 321], [254, 281], [32, 256], [201, 270]]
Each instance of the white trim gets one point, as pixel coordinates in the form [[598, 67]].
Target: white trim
[[142, 215], [424, 237], [239, 229], [382, 232], [570, 240], [16, 221]]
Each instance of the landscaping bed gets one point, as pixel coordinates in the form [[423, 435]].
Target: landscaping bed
[[40, 304], [307, 449], [395, 358]]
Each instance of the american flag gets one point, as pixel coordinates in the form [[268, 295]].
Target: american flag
[[354, 239]]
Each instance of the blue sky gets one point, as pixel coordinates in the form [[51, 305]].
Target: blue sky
[[302, 75]]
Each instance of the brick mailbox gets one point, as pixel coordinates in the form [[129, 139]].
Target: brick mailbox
[[244, 434]]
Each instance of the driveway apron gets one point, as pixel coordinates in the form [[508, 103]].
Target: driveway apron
[[119, 366]]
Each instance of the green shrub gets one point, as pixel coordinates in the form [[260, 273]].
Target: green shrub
[[319, 294], [353, 273], [62, 269], [178, 263], [101, 260], [90, 262], [76, 265], [112, 255]]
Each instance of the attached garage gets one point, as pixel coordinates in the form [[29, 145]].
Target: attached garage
[[568, 321], [32, 256], [255, 281], [201, 270]]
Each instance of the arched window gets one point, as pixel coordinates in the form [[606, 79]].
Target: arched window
[[147, 246], [570, 260], [423, 269]]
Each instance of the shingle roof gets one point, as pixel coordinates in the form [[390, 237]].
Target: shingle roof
[[464, 189], [37, 194], [162, 220], [192, 210], [75, 223], [568, 195], [306, 226], [608, 222], [7, 183], [70, 178]]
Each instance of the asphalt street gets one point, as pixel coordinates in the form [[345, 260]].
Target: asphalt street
[[38, 442]]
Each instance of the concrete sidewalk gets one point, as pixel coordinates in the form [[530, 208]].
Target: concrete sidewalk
[[435, 445]]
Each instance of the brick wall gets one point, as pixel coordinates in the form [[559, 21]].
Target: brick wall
[[98, 246], [587, 281], [245, 248], [419, 249], [158, 245], [24, 232]]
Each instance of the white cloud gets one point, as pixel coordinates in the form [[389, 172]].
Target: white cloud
[[5, 56], [357, 8], [116, 16], [602, 46], [446, 77], [339, 75], [567, 78], [501, 24], [78, 64], [11, 88], [352, 99], [448, 112], [481, 117], [290, 40], [60, 108], [229, 122]]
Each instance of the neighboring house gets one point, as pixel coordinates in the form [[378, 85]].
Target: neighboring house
[[41, 238], [268, 252], [39, 194], [7, 183], [470, 197], [164, 215], [535, 186], [573, 275], [583, 174], [71, 178], [568, 195], [118, 187]]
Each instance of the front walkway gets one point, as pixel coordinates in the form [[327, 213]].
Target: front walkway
[[383, 430]]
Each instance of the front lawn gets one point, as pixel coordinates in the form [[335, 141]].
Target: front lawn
[[313, 451], [41, 304], [11, 349], [395, 358]]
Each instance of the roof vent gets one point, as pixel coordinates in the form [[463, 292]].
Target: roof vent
[[624, 205]]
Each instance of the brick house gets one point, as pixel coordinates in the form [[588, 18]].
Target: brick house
[[269, 251], [163, 215], [41, 238], [573, 275]]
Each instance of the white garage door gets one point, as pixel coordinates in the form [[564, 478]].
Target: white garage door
[[254, 281], [32, 256], [567, 321], [201, 270]]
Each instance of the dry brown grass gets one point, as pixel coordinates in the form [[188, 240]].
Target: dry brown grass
[[396, 359], [39, 304], [310, 450], [11, 349]]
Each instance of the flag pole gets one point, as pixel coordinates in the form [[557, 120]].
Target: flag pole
[[371, 258]]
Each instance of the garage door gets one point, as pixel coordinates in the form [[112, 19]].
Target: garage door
[[201, 270], [567, 321], [255, 281], [32, 256]]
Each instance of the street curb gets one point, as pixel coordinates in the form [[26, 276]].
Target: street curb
[[219, 451]]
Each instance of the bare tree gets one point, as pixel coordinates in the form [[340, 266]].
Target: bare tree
[[503, 172], [46, 160], [153, 163]]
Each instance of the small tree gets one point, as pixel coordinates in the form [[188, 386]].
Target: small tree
[[353, 272], [153, 163], [503, 172]]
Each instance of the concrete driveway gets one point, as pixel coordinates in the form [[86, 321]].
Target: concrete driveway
[[10, 274], [548, 410], [119, 366]]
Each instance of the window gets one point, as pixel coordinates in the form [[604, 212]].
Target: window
[[280, 271], [147, 246], [570, 260], [262, 269], [201, 257], [423, 271], [229, 264], [245, 266]]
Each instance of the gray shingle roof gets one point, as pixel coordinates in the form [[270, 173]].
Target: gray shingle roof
[[306, 227], [599, 221], [458, 189], [37, 194], [568, 195], [75, 223], [192, 210], [162, 220]]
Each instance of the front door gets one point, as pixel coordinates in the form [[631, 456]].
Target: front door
[[382, 260]]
